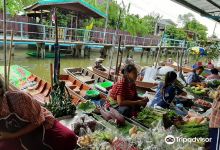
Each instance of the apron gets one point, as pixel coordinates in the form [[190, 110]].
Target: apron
[[13, 123]]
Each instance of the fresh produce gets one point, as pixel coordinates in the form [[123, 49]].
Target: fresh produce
[[193, 129], [203, 103], [124, 130], [61, 103], [147, 116], [171, 118], [120, 120], [199, 89], [83, 125], [85, 141], [105, 146], [87, 106], [122, 144], [213, 83], [104, 136], [105, 114], [133, 130]]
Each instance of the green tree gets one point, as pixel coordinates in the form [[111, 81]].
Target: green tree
[[188, 22], [15, 6]]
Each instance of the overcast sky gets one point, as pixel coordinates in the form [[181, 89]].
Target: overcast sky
[[169, 10]]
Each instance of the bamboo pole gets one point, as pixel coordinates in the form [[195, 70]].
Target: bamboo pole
[[51, 74], [113, 44], [117, 69], [5, 44], [10, 56]]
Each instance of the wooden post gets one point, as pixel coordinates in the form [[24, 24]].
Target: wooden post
[[10, 56], [158, 53], [5, 44], [119, 49], [21, 30]]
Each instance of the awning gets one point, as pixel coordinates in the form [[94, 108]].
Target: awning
[[206, 8], [79, 6]]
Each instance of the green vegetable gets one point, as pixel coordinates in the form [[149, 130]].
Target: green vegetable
[[87, 106], [193, 129], [60, 103], [104, 136], [147, 116], [124, 130]]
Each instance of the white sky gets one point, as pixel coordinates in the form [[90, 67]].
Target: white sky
[[169, 10]]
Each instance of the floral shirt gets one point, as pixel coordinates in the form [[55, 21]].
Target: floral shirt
[[26, 108], [163, 99]]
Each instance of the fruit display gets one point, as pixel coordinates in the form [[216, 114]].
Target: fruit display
[[199, 89], [85, 141], [203, 103]]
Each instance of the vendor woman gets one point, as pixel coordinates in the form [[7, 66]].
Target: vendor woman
[[125, 93], [194, 77], [166, 93], [24, 124]]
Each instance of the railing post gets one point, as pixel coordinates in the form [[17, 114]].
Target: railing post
[[134, 41], [44, 31], [64, 36], [21, 30], [125, 40]]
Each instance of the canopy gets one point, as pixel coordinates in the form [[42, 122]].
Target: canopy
[[79, 6], [207, 8]]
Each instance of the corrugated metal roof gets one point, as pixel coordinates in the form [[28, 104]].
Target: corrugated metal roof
[[207, 8]]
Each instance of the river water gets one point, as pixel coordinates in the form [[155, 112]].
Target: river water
[[41, 67]]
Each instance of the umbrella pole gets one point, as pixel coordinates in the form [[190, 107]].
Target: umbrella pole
[[5, 44]]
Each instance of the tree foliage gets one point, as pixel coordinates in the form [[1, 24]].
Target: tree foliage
[[188, 25], [15, 6]]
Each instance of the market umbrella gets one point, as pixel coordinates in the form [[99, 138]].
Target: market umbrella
[[198, 51]]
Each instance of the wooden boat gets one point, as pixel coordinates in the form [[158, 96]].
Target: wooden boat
[[28, 82], [88, 77], [139, 84], [174, 65], [78, 88]]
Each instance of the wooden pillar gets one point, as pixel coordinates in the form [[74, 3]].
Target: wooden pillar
[[104, 52], [78, 50], [129, 51]]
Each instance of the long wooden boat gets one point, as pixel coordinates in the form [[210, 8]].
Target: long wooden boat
[[90, 78], [21, 79], [185, 69], [139, 84], [78, 88]]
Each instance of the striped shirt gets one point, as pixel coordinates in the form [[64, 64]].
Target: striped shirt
[[125, 89]]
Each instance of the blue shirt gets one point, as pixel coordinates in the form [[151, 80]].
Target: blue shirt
[[193, 77], [163, 99]]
